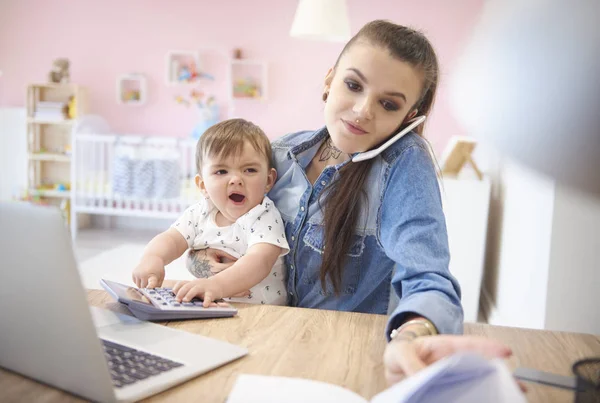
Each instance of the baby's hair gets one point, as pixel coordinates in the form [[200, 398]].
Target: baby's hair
[[228, 137]]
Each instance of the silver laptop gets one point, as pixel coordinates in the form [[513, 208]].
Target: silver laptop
[[50, 334]]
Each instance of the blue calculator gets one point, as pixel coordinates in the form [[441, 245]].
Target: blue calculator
[[160, 304]]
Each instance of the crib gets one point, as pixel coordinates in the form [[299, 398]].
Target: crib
[[134, 176]]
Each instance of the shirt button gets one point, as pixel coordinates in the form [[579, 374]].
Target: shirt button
[[293, 238], [302, 208], [323, 183], [292, 267], [291, 294]]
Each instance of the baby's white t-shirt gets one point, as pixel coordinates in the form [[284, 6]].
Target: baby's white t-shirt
[[262, 224]]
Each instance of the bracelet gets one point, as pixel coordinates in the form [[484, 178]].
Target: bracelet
[[431, 330]]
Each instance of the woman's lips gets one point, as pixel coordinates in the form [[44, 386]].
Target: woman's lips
[[354, 128]]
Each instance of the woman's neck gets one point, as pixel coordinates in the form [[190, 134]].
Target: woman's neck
[[329, 154]]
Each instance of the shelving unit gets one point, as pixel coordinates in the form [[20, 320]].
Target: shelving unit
[[51, 111]]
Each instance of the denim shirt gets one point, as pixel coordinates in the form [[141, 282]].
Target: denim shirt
[[400, 238]]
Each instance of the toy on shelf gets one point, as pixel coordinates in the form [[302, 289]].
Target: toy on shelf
[[131, 89], [34, 198], [60, 71], [72, 107], [248, 79], [246, 88], [183, 67]]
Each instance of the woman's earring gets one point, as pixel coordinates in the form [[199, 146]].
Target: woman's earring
[[325, 94]]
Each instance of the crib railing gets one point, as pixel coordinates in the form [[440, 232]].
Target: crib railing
[[132, 176]]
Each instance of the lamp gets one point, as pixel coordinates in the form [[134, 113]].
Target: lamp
[[325, 20]]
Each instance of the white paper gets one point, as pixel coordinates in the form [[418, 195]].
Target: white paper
[[465, 378], [279, 389]]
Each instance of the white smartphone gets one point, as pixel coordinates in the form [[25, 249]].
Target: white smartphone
[[373, 153]]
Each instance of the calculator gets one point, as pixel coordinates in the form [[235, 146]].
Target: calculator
[[160, 304]]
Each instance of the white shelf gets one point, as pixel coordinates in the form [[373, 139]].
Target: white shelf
[[131, 89], [249, 80], [49, 122], [49, 138], [183, 67], [50, 157], [60, 194]]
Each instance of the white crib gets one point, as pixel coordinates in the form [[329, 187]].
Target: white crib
[[131, 176]]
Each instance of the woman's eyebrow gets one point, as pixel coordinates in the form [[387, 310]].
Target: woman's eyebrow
[[362, 77]]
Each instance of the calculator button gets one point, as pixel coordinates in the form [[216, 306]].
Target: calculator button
[[188, 304]]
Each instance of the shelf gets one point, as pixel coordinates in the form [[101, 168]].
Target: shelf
[[131, 89], [53, 85], [249, 80], [50, 157], [61, 194], [66, 122], [183, 67]]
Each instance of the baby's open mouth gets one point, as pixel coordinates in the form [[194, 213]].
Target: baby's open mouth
[[236, 197]]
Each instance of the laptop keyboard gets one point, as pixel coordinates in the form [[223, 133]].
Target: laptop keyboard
[[128, 365]]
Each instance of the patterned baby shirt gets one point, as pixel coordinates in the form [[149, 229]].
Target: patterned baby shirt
[[262, 224]]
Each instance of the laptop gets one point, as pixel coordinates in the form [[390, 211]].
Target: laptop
[[50, 334]]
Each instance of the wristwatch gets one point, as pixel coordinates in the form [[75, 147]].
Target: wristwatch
[[426, 329]]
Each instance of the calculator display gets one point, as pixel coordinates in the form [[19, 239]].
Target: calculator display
[[134, 295], [125, 292]]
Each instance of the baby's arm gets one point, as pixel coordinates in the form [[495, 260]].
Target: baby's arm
[[244, 274], [160, 251]]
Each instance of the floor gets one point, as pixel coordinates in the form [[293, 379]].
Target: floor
[[91, 242]]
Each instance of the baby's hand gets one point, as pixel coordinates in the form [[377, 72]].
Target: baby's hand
[[150, 273], [204, 288]]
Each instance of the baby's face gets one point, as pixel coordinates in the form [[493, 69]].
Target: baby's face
[[237, 183]]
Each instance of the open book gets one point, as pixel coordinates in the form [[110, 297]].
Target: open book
[[465, 378]]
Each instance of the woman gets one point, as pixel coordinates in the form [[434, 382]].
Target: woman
[[355, 228]]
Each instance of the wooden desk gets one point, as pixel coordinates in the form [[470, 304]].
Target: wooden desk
[[337, 347]]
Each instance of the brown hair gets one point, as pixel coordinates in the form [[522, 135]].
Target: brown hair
[[228, 137], [346, 195]]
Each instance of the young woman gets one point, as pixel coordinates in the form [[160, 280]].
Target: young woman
[[355, 229]]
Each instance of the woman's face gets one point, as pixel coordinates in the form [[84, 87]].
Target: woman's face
[[370, 95]]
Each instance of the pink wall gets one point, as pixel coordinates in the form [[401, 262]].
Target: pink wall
[[104, 39]]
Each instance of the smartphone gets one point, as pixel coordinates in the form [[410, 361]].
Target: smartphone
[[546, 378]]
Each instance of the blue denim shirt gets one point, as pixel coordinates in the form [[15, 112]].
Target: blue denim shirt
[[400, 237]]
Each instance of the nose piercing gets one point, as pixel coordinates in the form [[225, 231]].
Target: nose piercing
[[357, 120]]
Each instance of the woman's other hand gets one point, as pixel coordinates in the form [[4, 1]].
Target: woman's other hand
[[404, 357]]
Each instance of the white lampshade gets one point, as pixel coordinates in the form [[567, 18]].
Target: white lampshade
[[325, 20]]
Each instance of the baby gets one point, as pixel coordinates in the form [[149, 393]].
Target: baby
[[235, 172]]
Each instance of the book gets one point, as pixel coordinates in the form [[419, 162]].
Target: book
[[465, 378]]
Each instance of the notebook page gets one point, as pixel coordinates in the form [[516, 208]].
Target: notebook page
[[465, 378], [278, 389]]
